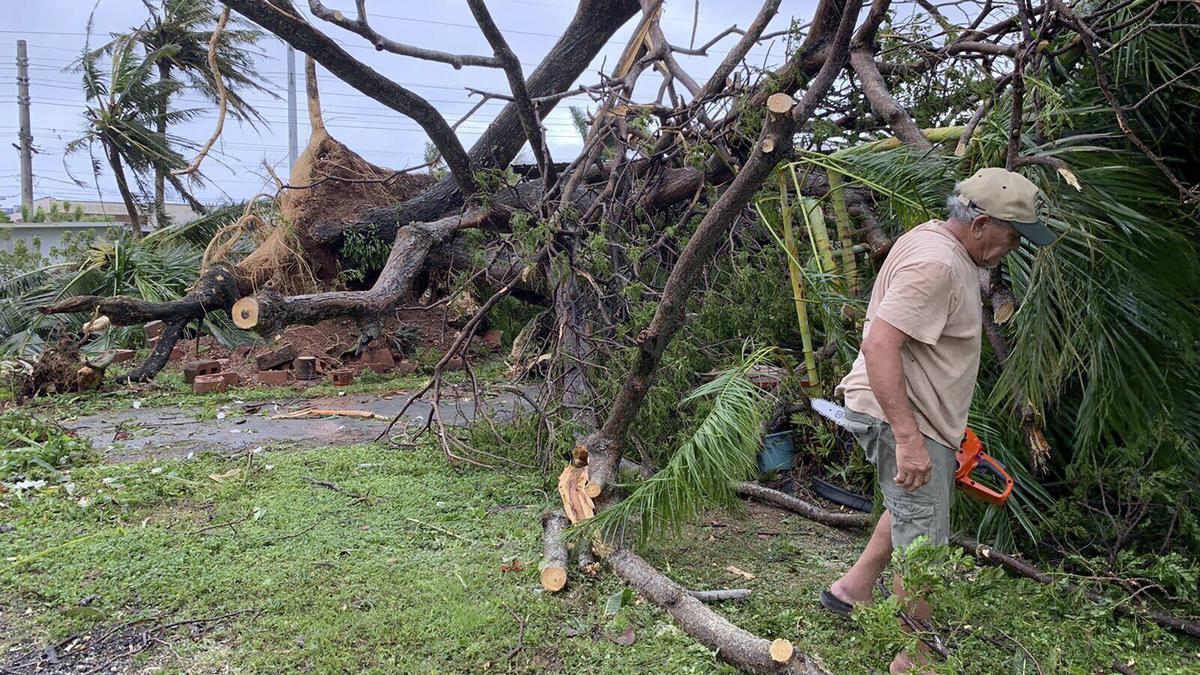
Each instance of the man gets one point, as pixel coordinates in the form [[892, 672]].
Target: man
[[911, 385]]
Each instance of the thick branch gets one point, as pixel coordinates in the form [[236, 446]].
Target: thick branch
[[594, 24], [215, 289], [291, 28], [735, 645], [269, 311], [883, 104], [781, 500]]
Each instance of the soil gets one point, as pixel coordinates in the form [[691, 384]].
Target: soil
[[106, 649], [327, 199]]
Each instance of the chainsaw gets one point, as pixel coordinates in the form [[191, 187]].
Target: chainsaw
[[975, 466]]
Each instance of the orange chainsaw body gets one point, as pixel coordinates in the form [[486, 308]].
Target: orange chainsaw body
[[972, 459]]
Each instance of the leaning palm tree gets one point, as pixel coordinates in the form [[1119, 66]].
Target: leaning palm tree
[[117, 117], [175, 40]]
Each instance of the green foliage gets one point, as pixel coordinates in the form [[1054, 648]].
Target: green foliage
[[721, 450], [33, 449], [148, 269], [363, 254]]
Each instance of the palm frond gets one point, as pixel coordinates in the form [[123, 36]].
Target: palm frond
[[699, 474]]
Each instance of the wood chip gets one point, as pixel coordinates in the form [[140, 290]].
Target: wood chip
[[572, 487], [329, 412], [733, 569]]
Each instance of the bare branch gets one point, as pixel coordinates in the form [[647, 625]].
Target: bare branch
[[360, 26], [516, 82]]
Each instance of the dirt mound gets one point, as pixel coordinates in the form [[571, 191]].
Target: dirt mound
[[59, 370], [330, 183]]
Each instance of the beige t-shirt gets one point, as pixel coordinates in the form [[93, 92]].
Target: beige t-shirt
[[928, 288]]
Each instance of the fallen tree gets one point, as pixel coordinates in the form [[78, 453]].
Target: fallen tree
[[667, 184]]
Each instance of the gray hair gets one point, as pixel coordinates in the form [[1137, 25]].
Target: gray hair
[[965, 213]]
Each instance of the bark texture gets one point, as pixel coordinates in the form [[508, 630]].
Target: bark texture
[[734, 645]]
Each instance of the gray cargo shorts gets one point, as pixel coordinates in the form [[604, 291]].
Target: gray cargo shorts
[[925, 511]]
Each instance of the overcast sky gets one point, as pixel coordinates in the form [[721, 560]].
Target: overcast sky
[[54, 30]]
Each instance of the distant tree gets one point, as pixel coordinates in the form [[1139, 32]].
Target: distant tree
[[119, 114], [177, 33]]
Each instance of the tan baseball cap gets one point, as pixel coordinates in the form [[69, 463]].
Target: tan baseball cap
[[1007, 196]]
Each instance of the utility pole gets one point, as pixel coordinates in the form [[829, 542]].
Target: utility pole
[[293, 144], [26, 133]]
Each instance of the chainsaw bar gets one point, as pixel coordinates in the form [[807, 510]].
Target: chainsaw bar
[[835, 413]]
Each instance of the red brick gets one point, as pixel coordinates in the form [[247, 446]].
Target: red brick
[[406, 367], [379, 359], [342, 377], [202, 367], [492, 338], [205, 384], [123, 355], [455, 363], [154, 329], [274, 378], [231, 378]]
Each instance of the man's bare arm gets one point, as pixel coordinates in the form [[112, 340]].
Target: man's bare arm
[[882, 351]]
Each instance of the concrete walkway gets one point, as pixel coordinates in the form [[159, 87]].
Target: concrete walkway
[[144, 433]]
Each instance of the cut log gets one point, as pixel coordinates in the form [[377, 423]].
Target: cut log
[[732, 644], [781, 650], [780, 103], [796, 505], [245, 313], [553, 568], [285, 353]]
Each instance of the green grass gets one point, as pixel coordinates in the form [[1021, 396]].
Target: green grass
[[419, 575]]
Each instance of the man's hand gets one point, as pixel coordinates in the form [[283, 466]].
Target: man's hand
[[913, 466]]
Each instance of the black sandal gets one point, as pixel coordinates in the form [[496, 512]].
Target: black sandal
[[835, 604]]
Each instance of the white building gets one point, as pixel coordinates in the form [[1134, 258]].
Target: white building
[[97, 217], [107, 210], [44, 238]]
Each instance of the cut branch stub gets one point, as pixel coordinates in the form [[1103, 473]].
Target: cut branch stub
[[245, 313], [780, 103], [781, 650], [553, 568]]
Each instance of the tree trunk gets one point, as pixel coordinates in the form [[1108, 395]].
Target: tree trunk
[[160, 172], [114, 161]]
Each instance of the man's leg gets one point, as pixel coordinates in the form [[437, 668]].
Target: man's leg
[[855, 586], [917, 609]]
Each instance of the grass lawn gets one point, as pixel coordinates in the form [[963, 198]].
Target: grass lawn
[[400, 564]]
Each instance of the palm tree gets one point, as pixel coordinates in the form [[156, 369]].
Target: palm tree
[[187, 25], [117, 119], [175, 40]]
